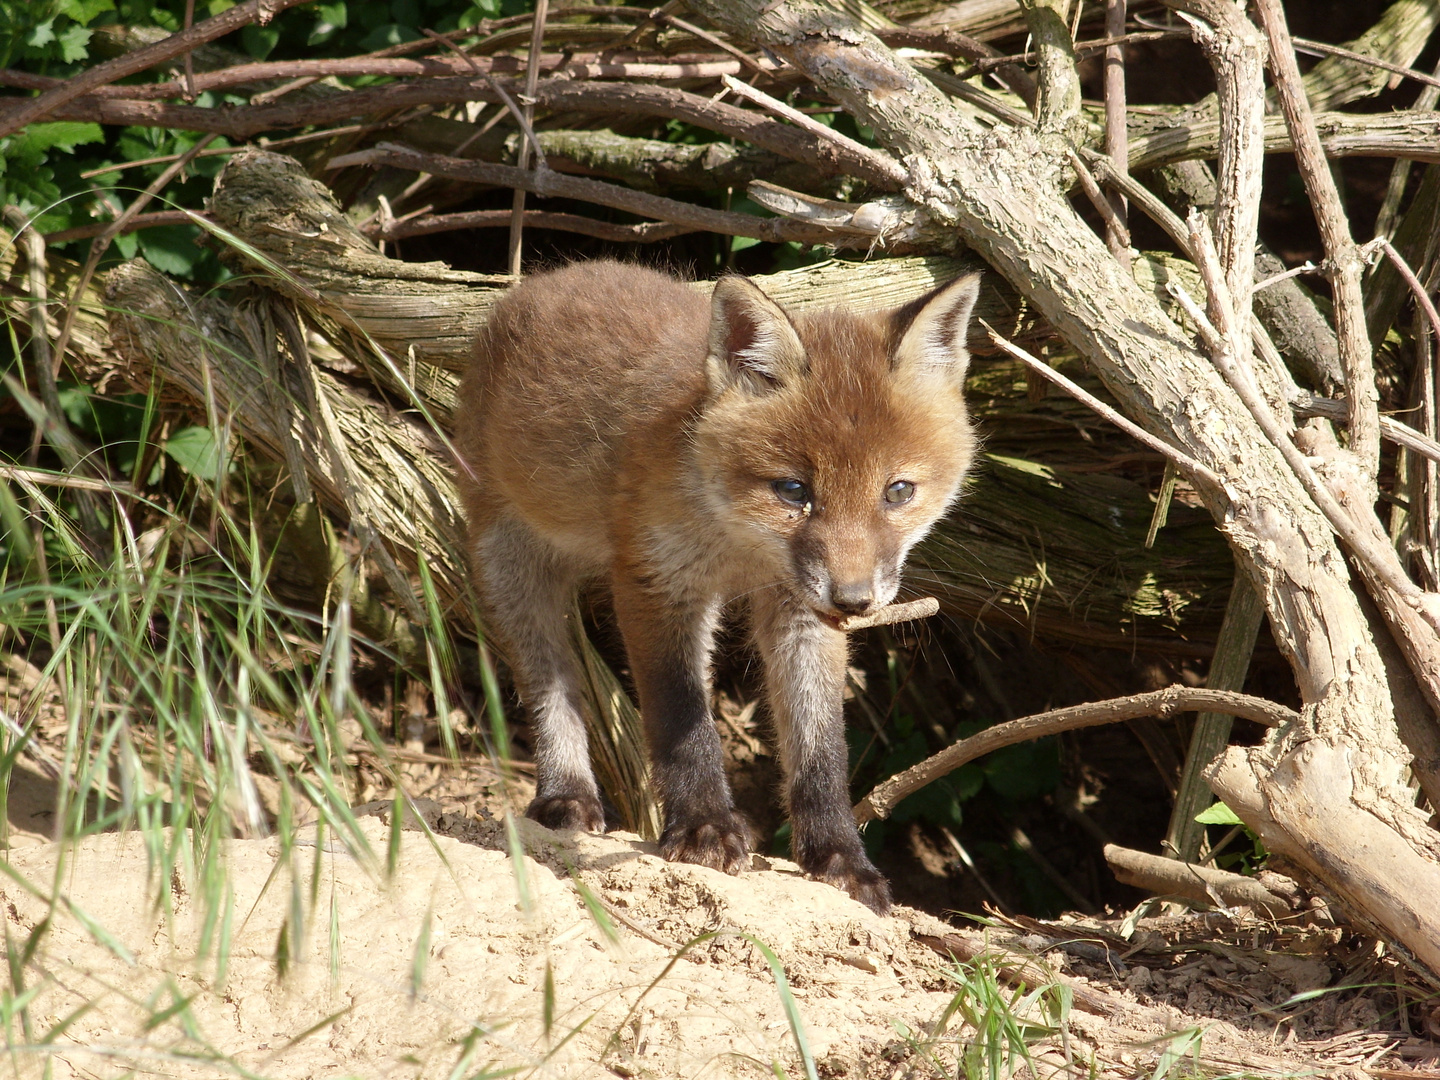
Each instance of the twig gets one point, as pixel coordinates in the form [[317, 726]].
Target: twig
[[551, 183], [1390, 428], [532, 79], [988, 62], [879, 162], [1345, 262], [1184, 461], [306, 72], [1117, 235], [1141, 196], [139, 221], [228, 21], [891, 614], [1422, 297], [1307, 267], [644, 233], [1321, 49], [1162, 703], [719, 42], [190, 94]]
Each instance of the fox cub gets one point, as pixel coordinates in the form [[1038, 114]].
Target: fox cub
[[616, 423]]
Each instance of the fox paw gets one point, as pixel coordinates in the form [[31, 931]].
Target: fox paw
[[723, 844], [568, 812], [854, 873]]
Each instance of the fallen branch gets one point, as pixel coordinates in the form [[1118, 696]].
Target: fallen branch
[[1199, 884], [1162, 703], [646, 232], [550, 183]]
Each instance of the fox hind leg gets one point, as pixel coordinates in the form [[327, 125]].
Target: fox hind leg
[[528, 588]]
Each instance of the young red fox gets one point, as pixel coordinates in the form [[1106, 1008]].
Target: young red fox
[[616, 423]]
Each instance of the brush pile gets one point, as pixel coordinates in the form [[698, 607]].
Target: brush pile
[[1270, 448]]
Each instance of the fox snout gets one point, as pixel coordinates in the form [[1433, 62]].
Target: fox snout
[[852, 597], [847, 576]]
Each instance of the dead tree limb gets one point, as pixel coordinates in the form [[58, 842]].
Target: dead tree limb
[[1168, 702]]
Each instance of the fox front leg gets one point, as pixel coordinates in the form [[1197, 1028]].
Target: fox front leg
[[805, 679], [668, 646]]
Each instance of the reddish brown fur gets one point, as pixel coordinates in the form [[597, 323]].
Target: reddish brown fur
[[618, 423]]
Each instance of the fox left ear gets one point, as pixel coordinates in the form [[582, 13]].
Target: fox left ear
[[933, 329], [752, 341]]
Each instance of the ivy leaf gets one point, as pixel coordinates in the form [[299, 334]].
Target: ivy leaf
[[74, 44]]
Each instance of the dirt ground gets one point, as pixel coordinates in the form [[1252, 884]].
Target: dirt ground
[[457, 965]]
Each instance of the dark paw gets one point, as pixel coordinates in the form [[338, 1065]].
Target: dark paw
[[723, 844], [568, 812], [854, 873]]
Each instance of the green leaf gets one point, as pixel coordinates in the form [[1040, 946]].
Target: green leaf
[[38, 138], [82, 11], [41, 34], [194, 450], [74, 44], [1218, 814], [171, 248], [740, 243], [259, 40]]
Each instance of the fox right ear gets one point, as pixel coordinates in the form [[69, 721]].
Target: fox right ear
[[752, 341], [933, 329]]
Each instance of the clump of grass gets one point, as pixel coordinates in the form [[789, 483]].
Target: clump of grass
[[987, 1030]]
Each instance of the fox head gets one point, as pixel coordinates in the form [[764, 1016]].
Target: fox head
[[830, 442]]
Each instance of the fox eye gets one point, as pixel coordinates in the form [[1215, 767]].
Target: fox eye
[[791, 491], [901, 491]]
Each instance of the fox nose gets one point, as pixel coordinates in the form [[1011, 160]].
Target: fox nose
[[855, 598]]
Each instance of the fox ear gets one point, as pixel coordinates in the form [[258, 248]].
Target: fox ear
[[752, 341], [933, 329]]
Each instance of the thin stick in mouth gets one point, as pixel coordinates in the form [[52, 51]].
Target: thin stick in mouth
[[891, 613]]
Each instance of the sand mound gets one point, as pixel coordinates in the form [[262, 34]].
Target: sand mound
[[397, 979]]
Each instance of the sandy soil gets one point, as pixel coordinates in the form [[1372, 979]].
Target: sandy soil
[[443, 970]]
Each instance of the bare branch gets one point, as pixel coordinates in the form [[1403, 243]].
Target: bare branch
[[550, 183], [882, 163], [1162, 703], [1184, 461], [1346, 264]]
